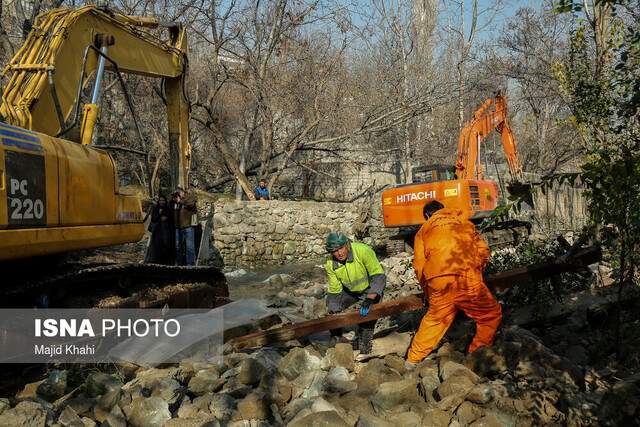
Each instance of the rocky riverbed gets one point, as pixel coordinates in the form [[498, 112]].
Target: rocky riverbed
[[554, 378]]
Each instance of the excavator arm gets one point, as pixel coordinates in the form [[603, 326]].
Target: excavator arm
[[474, 133], [69, 47]]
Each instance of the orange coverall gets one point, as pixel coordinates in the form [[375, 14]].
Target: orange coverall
[[449, 256]]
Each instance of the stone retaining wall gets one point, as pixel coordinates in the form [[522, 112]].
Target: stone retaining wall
[[249, 234]]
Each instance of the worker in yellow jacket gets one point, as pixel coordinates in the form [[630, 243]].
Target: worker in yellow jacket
[[354, 275], [449, 257]]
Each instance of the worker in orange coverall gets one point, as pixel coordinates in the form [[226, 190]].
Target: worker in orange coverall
[[449, 257]]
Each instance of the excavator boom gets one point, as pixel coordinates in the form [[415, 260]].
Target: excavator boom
[[63, 53], [484, 121], [57, 195]]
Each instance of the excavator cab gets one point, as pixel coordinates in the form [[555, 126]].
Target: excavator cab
[[433, 173]]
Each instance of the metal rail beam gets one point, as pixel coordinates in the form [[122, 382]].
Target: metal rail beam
[[579, 260]]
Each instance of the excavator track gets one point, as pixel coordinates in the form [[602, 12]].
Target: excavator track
[[123, 285]]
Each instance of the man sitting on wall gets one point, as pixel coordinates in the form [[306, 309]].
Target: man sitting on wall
[[262, 192]]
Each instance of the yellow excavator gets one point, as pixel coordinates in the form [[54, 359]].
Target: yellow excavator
[[56, 195]]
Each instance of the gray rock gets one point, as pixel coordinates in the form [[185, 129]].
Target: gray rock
[[529, 370], [147, 412], [192, 422], [321, 405], [487, 421], [467, 413], [449, 369], [251, 372], [29, 392], [394, 394], [486, 392], [236, 389], [69, 418], [27, 414], [316, 386], [4, 405], [98, 383], [268, 358], [339, 381], [205, 381], [343, 356], [236, 273], [455, 385], [372, 421], [253, 407], [88, 422], [396, 363], [620, 404], [395, 343], [429, 378], [407, 419], [451, 402], [294, 407], [302, 383], [320, 419], [373, 374], [81, 404], [486, 362], [168, 390], [297, 361], [113, 420], [436, 418], [289, 248], [54, 386], [222, 406]]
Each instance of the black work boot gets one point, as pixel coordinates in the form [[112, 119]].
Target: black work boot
[[365, 337]]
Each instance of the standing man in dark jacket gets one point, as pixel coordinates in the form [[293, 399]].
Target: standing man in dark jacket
[[186, 220], [162, 233], [355, 276]]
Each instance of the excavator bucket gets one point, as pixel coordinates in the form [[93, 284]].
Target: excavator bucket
[[521, 190]]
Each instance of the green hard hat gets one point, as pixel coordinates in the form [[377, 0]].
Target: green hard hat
[[336, 240]]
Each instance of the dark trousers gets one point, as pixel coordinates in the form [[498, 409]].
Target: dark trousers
[[348, 299]]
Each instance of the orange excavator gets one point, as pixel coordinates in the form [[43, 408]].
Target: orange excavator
[[462, 186]]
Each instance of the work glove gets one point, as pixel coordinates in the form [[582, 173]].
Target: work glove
[[366, 306]]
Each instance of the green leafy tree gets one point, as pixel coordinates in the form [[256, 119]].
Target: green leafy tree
[[601, 82]]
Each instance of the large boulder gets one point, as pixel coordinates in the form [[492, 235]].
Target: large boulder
[[449, 369], [205, 381], [27, 414], [340, 355], [99, 383], [621, 404], [54, 386], [395, 395], [320, 419], [339, 381], [429, 378], [455, 385], [373, 374], [298, 361], [253, 407], [487, 362], [69, 418], [251, 371], [147, 412]]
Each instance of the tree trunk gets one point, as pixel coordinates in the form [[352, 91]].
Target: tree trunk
[[233, 166]]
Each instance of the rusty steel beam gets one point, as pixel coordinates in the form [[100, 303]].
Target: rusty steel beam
[[579, 260]]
